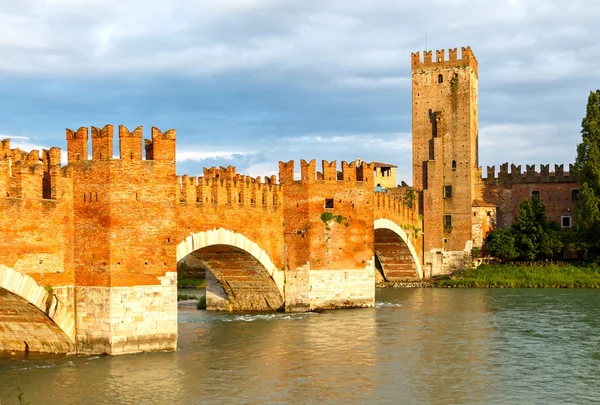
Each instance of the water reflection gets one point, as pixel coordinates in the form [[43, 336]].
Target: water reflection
[[418, 346]]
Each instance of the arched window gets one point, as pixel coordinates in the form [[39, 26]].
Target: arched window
[[574, 195], [454, 165], [440, 78]]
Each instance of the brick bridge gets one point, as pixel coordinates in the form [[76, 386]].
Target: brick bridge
[[89, 250]]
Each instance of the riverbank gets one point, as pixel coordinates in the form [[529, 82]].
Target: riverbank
[[524, 276], [512, 276]]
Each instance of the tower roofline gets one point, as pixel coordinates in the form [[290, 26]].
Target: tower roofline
[[467, 58]]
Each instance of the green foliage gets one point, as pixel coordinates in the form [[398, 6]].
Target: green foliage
[[587, 169], [475, 253], [201, 303], [409, 197], [524, 276], [49, 289], [501, 244], [531, 237], [191, 283], [326, 217]]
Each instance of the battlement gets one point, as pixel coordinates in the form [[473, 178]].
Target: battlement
[[351, 172], [467, 58], [389, 206], [220, 173], [224, 186], [516, 176], [160, 148], [30, 175]]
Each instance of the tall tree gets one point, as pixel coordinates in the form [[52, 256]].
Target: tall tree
[[587, 168]]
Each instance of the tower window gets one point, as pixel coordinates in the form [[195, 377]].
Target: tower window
[[440, 78], [535, 194], [448, 223], [574, 195], [447, 191], [454, 165], [565, 222], [329, 203]]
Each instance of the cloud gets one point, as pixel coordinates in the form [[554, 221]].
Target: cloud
[[252, 82]]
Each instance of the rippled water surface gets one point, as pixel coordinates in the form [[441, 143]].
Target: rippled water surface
[[417, 346]]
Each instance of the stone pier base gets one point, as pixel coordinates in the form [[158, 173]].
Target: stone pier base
[[308, 290], [119, 320]]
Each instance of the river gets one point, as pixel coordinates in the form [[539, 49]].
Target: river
[[417, 346]]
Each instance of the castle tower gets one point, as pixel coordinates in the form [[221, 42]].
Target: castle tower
[[445, 150]]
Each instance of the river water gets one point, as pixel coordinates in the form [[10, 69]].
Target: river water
[[417, 346]]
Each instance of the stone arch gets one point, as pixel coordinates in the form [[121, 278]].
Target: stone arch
[[387, 224], [27, 288], [223, 236]]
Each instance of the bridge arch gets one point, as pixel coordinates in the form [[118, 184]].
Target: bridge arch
[[17, 291], [220, 245], [385, 228]]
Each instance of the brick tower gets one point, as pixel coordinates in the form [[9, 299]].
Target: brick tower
[[445, 153]]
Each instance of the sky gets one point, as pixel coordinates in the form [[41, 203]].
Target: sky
[[251, 82]]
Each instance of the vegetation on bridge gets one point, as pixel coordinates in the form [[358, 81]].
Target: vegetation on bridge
[[524, 276]]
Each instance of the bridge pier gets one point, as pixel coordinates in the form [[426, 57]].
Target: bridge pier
[[309, 290], [120, 320]]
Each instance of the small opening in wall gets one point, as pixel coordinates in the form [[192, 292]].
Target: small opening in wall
[[329, 203], [440, 78], [119, 263], [168, 240], [474, 214], [565, 222], [146, 263], [489, 213], [84, 197], [535, 194], [454, 165], [574, 195], [445, 240], [447, 191], [77, 157]]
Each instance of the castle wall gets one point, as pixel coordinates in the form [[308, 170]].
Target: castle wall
[[329, 227], [508, 189], [36, 230], [125, 257]]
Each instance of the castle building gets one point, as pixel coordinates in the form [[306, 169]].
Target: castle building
[[458, 206], [384, 176]]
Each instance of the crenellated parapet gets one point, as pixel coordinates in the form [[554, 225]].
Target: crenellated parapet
[[224, 186], [516, 176], [220, 173], [393, 208], [443, 61], [30, 175], [350, 172], [160, 148]]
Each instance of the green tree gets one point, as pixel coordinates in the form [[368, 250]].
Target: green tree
[[501, 244], [531, 237], [587, 168]]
